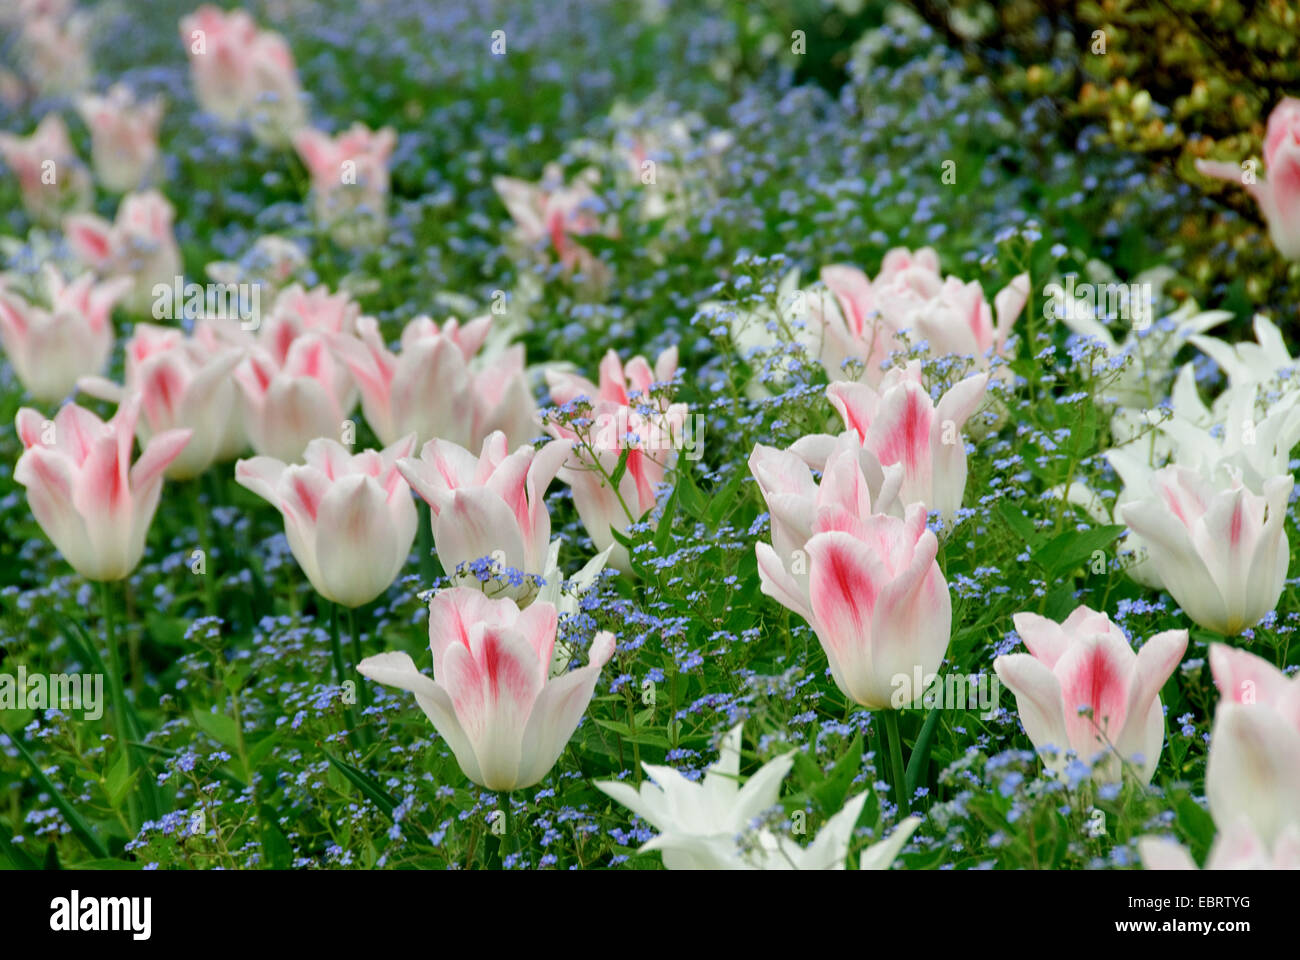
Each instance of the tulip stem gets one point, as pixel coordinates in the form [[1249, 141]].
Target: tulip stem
[[119, 695], [896, 758], [425, 540], [205, 545], [363, 693], [337, 650]]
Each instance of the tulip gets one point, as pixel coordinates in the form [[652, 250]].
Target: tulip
[[183, 383], [54, 53], [1236, 848], [1277, 193], [51, 177], [218, 44], [91, 501], [1253, 771], [298, 311], [624, 415], [123, 137], [350, 520], [290, 403], [901, 425], [489, 506], [430, 388], [138, 244], [709, 825], [50, 349], [553, 214], [1082, 688], [274, 104], [491, 697], [876, 599], [853, 487], [1221, 554], [272, 263], [1256, 449], [242, 73], [861, 320], [1245, 361], [349, 180]]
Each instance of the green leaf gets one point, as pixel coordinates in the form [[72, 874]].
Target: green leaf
[[121, 781], [621, 469], [1020, 524], [1069, 549], [921, 751], [664, 532], [724, 500], [276, 850], [78, 824], [365, 783], [832, 792], [692, 501], [219, 726], [16, 854]]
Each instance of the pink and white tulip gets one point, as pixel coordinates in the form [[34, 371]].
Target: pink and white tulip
[[876, 599], [489, 506], [50, 348], [861, 319], [625, 414], [1235, 848], [900, 424], [350, 520], [431, 388], [853, 487], [91, 501], [218, 45], [554, 215], [183, 382], [1221, 554], [289, 402], [51, 177], [349, 180], [1253, 771], [123, 137], [492, 697], [299, 311], [54, 52], [1081, 688], [242, 73], [1278, 192], [138, 244]]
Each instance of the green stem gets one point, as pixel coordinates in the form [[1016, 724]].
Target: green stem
[[205, 544], [425, 528], [896, 758], [119, 696], [363, 693], [337, 650]]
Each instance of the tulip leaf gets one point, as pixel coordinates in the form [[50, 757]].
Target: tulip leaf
[[78, 824], [365, 783], [921, 752], [831, 793], [16, 854], [1196, 820], [121, 780]]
